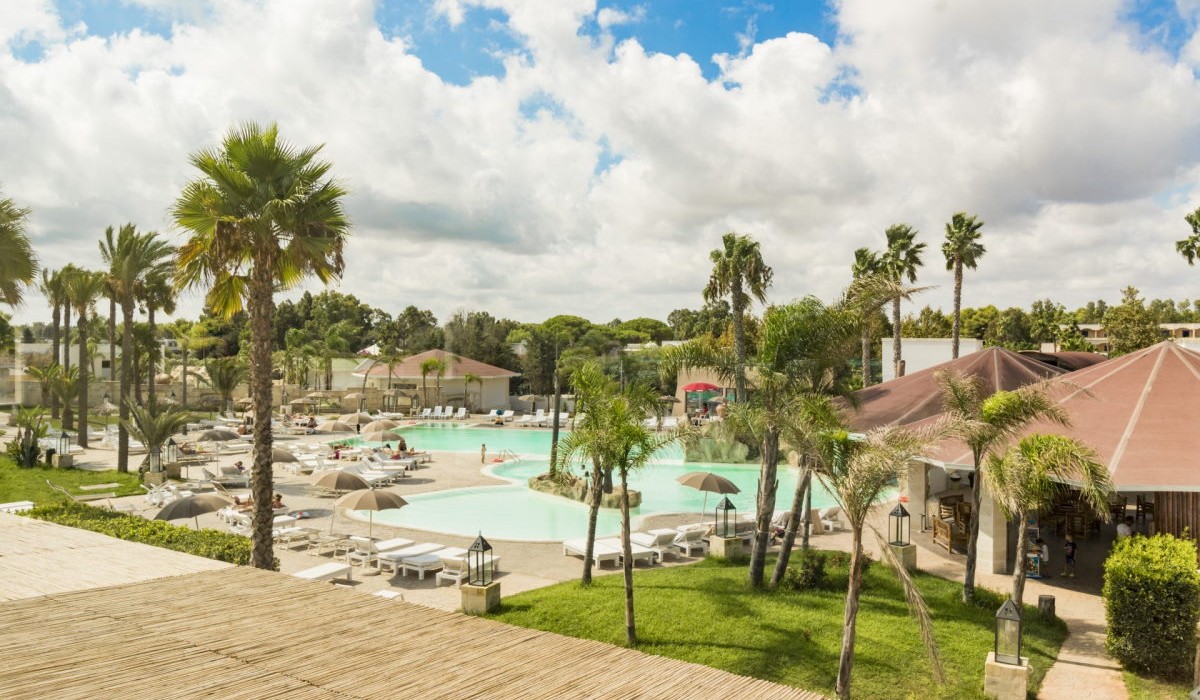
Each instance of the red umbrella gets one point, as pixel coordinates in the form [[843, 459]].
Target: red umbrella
[[701, 386]]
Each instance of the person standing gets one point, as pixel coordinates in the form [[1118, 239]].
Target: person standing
[[1069, 557], [1125, 529], [483, 453]]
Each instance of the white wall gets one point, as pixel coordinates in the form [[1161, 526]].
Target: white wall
[[923, 353]]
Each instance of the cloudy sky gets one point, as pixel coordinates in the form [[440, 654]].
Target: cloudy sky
[[534, 157]]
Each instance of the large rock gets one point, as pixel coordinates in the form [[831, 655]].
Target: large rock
[[575, 489]]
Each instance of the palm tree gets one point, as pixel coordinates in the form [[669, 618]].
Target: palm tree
[[855, 471], [962, 249], [65, 385], [1028, 477], [52, 288], [900, 260], [803, 344], [739, 273], [468, 379], [189, 339], [65, 273], [18, 264], [590, 384], [427, 367], [132, 259], [612, 432], [224, 375], [866, 264], [153, 428], [262, 216], [82, 288], [1189, 247], [985, 423], [45, 376], [158, 294]]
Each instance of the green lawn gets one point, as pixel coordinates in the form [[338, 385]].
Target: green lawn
[[1142, 688], [706, 614], [18, 484]]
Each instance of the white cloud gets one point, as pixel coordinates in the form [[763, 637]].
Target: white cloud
[[611, 16], [1078, 147]]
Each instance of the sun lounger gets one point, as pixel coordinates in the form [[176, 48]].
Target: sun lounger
[[600, 552], [661, 541], [455, 569], [437, 413], [692, 538], [327, 572], [395, 558], [366, 550], [508, 416], [426, 414], [637, 551], [461, 414], [423, 563]]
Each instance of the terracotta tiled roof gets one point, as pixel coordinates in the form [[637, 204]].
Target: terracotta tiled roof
[[410, 367]]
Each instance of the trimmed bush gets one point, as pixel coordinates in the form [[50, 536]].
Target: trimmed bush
[[211, 544], [1152, 604], [819, 569]]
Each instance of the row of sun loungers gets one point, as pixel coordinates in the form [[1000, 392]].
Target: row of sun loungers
[[542, 419], [439, 413], [399, 555]]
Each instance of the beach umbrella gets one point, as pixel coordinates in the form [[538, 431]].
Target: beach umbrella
[[380, 425], [217, 435], [302, 402], [337, 480], [193, 507], [371, 500], [700, 386], [708, 483], [335, 426], [379, 436], [355, 418], [278, 454], [244, 401]]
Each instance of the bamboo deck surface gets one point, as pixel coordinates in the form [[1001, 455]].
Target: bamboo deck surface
[[38, 558], [240, 633]]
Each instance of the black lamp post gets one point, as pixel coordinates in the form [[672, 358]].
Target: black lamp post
[[899, 526], [172, 451], [64, 443], [1008, 634], [726, 518], [362, 404], [479, 566]]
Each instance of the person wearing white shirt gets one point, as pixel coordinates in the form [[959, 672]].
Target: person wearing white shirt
[[1125, 529]]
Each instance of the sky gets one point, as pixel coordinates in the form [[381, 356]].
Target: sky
[[536, 157]]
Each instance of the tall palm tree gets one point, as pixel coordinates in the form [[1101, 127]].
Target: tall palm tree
[[468, 379], [65, 385], [82, 288], [612, 432], [52, 288], [1028, 477], [900, 261], [591, 384], [224, 375], [802, 347], [855, 470], [158, 294], [262, 216], [427, 367], [46, 376], [18, 263], [190, 340], [740, 274], [986, 423], [132, 259], [66, 273], [1189, 247], [153, 428], [962, 249], [866, 264]]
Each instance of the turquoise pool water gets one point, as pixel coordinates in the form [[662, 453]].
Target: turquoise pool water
[[516, 513], [452, 437]]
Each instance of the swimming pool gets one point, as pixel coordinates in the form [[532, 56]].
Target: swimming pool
[[452, 437], [517, 513]]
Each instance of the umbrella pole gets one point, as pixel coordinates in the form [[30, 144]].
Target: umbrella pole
[[370, 535]]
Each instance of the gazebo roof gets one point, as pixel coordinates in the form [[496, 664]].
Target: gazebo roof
[[1134, 410], [918, 396], [457, 367]]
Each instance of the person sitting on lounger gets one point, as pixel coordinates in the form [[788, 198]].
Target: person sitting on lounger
[[402, 446], [241, 505], [277, 502], [312, 423]]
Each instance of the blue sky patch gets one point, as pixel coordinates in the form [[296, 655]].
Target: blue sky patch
[[456, 54]]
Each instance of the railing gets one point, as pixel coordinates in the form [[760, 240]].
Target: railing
[[507, 454]]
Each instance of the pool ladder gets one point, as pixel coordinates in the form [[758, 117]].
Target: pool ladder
[[507, 454]]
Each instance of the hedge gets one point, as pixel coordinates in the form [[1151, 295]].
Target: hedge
[[1152, 604], [212, 544]]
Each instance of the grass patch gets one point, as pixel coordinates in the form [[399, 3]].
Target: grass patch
[[1143, 688], [705, 614], [17, 484]]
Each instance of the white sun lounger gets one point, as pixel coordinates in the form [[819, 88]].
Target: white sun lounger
[[423, 563], [395, 558], [661, 541], [687, 540], [455, 569], [639, 552], [508, 416], [600, 552], [366, 550], [327, 572]]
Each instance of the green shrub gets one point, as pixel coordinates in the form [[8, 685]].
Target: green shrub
[[212, 544], [816, 569], [1152, 604]]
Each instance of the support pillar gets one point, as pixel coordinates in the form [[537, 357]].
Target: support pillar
[[906, 554], [726, 547], [918, 492], [993, 537], [1005, 681], [480, 600]]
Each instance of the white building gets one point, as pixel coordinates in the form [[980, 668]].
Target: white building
[[923, 353]]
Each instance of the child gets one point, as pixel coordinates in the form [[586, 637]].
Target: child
[[1069, 551], [1043, 551]]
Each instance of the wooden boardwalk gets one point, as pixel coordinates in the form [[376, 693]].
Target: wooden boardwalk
[[37, 557]]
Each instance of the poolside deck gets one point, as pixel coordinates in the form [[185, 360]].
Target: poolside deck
[[244, 633]]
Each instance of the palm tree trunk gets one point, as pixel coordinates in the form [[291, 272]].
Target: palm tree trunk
[[183, 357], [853, 591], [896, 337], [957, 308], [766, 506], [83, 382], [627, 558], [968, 594], [55, 319], [554, 428], [151, 393], [866, 355], [807, 510], [593, 513], [126, 380], [1018, 576], [112, 338], [66, 345], [262, 306], [138, 375], [794, 520], [739, 340]]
